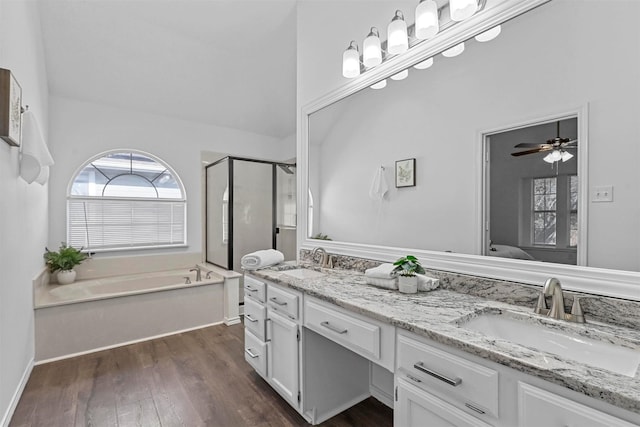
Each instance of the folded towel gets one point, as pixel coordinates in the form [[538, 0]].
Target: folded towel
[[35, 154], [427, 283], [383, 271], [260, 259], [382, 283], [379, 185]]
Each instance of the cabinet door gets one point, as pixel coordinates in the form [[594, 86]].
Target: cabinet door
[[418, 408], [539, 407], [283, 357]]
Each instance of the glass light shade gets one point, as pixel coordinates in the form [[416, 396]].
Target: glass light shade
[[397, 39], [454, 51], [424, 64], [489, 34], [371, 50], [380, 85], [427, 24], [351, 62], [401, 75], [565, 155], [553, 156], [462, 9]]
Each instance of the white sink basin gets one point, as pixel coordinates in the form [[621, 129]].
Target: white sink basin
[[602, 354], [303, 273]]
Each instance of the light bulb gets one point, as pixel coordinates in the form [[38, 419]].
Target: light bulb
[[397, 39], [351, 61], [380, 85], [462, 9], [565, 155], [454, 51], [401, 75], [371, 50], [424, 64], [427, 24], [489, 34]]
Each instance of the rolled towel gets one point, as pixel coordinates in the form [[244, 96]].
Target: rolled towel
[[383, 271], [382, 283], [427, 283], [260, 259]]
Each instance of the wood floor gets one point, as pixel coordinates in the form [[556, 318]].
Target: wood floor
[[197, 378]]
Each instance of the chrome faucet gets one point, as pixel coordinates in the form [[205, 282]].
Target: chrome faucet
[[198, 271], [327, 260], [553, 288]]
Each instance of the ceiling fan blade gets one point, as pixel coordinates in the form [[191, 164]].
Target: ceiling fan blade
[[529, 144], [535, 150]]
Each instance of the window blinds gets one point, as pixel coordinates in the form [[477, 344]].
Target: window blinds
[[111, 224]]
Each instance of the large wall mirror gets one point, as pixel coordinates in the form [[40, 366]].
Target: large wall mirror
[[566, 62]]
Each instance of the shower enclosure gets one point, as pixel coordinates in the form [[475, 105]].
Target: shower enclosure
[[250, 205]]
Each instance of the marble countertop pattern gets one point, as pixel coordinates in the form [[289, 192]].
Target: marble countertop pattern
[[437, 314]]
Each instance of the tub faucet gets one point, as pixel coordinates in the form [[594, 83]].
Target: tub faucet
[[198, 272], [553, 288], [327, 260]]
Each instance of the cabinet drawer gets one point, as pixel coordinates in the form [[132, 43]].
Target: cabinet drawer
[[282, 301], [361, 336], [254, 318], [255, 289], [255, 352], [466, 382]]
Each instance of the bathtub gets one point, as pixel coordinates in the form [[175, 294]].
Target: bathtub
[[102, 313]]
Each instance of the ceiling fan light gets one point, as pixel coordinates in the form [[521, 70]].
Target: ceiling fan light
[[460, 10], [427, 24], [371, 50], [397, 39], [380, 85], [454, 51], [489, 34], [565, 155], [351, 61], [401, 75], [549, 158], [424, 64]]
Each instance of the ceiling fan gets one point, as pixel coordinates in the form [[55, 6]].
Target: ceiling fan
[[556, 146]]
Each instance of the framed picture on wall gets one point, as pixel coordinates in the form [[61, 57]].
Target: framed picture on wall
[[10, 108], [405, 173]]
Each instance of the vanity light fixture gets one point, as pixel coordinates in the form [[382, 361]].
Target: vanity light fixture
[[424, 64], [454, 51], [427, 19], [460, 10], [401, 75], [371, 49], [351, 61], [397, 38], [489, 34], [380, 85]]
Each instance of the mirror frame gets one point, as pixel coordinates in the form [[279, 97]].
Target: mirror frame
[[599, 281]]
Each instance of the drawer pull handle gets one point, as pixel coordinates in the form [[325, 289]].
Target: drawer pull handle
[[249, 318], [451, 381], [275, 300], [251, 353], [333, 328], [251, 289], [473, 408]]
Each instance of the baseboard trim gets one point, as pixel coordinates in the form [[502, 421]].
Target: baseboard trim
[[109, 347], [232, 321], [380, 395], [340, 408], [17, 394]]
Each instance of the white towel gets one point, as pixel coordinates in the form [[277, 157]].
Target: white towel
[[379, 185], [36, 159], [383, 271], [260, 259], [426, 283]]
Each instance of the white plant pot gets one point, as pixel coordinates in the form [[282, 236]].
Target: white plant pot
[[66, 277], [408, 284]]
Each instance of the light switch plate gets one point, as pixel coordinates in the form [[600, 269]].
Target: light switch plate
[[603, 193]]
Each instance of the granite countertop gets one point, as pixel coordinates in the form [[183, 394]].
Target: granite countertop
[[437, 315]]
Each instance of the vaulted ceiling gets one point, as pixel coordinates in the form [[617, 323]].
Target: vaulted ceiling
[[223, 62]]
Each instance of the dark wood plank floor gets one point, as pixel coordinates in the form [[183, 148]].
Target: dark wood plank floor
[[197, 378]]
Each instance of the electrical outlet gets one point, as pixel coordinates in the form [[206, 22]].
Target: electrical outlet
[[603, 193]]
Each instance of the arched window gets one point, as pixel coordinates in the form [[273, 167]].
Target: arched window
[[126, 199]]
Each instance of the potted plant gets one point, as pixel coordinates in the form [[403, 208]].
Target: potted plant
[[406, 268], [62, 261]]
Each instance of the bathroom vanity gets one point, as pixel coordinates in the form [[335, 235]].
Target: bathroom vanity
[[324, 340]]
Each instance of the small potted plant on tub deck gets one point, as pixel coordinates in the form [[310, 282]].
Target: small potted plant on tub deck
[[406, 268], [62, 261]]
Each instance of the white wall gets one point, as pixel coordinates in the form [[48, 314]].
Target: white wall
[[80, 130], [23, 209], [436, 116]]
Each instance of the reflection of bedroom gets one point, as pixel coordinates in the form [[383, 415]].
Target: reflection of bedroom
[[532, 203]]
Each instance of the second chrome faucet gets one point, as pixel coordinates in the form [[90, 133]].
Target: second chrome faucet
[[553, 288]]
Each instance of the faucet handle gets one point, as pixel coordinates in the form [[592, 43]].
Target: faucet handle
[[541, 305], [577, 315], [187, 280]]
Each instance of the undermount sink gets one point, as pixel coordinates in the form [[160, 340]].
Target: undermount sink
[[303, 273], [530, 331]]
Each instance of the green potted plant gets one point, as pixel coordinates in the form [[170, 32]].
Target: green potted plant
[[62, 261], [406, 269]]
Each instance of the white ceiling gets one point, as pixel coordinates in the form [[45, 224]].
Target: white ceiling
[[223, 62]]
